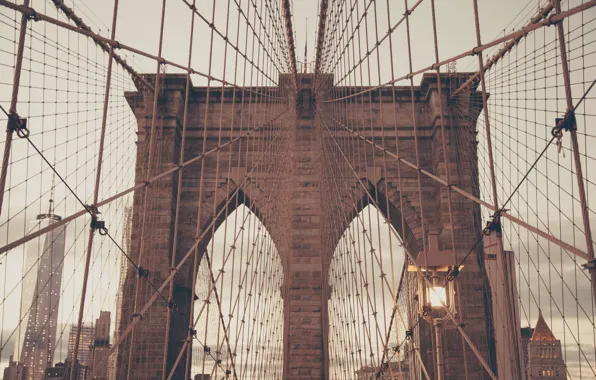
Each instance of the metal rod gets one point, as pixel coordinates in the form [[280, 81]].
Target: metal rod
[[290, 36], [439, 345], [458, 307], [32, 13], [321, 34], [136, 77], [138, 186], [501, 53], [13, 103], [514, 343], [451, 187], [150, 158], [187, 91], [476, 50], [106, 100], [170, 278], [410, 256], [576, 154]]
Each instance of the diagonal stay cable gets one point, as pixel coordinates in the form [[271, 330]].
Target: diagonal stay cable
[[138, 186], [419, 271], [190, 251], [88, 209], [471, 52], [556, 134], [466, 194], [37, 16]]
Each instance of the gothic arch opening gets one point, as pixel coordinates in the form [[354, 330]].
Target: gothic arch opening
[[238, 307], [368, 308]]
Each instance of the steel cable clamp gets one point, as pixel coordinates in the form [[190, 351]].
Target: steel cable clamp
[[17, 124]]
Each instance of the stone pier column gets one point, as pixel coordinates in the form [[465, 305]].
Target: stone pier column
[[304, 294]]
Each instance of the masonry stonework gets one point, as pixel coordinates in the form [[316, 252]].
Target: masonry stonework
[[285, 187]]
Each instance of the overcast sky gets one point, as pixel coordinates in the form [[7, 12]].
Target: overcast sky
[[62, 94]]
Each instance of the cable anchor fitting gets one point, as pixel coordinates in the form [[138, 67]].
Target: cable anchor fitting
[[96, 224], [567, 124], [590, 265], [172, 305], [142, 272], [494, 225], [549, 20], [17, 124], [32, 15], [453, 273]]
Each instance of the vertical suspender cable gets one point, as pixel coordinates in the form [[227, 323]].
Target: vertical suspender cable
[[515, 345], [12, 112], [576, 154], [95, 194]]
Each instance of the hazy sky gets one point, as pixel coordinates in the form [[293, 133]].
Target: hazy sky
[[62, 94]]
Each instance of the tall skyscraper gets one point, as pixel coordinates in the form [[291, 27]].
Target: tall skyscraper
[[85, 353], [126, 235], [41, 296], [545, 357]]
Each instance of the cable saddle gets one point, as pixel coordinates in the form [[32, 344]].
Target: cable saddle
[[567, 124], [494, 225], [17, 124]]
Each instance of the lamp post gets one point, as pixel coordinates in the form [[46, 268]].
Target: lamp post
[[436, 295]]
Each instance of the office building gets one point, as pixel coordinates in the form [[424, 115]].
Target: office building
[[101, 346], [126, 235], [36, 335], [85, 354], [500, 270], [15, 371], [545, 357], [61, 371]]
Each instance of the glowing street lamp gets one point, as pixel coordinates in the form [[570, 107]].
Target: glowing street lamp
[[436, 295]]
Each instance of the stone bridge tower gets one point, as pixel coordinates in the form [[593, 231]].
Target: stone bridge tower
[[300, 227]]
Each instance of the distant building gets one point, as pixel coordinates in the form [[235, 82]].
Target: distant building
[[61, 371], [101, 346], [500, 270], [526, 335], [36, 338], [102, 329], [85, 353], [15, 371], [545, 357], [126, 235]]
